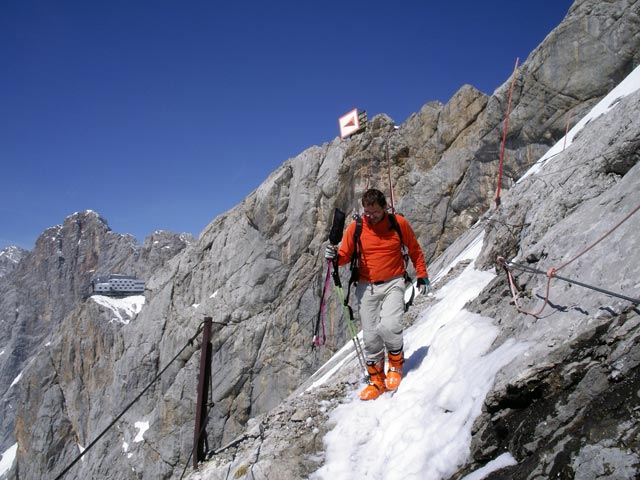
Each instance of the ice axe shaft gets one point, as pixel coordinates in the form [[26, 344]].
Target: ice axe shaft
[[337, 227]]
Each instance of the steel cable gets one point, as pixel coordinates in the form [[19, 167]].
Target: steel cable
[[113, 422]]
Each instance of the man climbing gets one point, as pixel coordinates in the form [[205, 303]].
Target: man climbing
[[381, 285]]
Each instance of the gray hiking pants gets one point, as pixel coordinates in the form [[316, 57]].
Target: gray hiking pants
[[380, 308]]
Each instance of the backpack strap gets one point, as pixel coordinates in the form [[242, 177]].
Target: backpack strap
[[403, 248], [355, 257], [357, 248], [405, 255]]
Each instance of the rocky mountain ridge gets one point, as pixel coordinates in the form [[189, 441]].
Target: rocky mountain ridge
[[443, 168]]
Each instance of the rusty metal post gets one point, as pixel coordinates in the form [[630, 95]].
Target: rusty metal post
[[200, 434]]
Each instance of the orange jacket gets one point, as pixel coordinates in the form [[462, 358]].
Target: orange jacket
[[380, 253]]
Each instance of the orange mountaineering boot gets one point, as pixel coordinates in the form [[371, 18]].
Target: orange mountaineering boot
[[376, 382], [394, 375]]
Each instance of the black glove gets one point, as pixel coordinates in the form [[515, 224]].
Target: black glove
[[330, 252], [424, 286]]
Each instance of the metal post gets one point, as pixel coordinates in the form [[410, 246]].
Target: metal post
[[200, 434]]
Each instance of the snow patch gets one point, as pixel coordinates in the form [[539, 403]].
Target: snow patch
[[125, 449], [16, 380], [142, 427], [342, 353], [504, 460], [471, 252], [8, 456], [124, 309]]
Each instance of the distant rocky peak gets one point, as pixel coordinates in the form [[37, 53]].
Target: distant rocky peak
[[161, 237], [80, 229], [87, 216], [81, 223], [9, 259], [13, 254]]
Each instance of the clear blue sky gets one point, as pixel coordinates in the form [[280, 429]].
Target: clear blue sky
[[164, 114]]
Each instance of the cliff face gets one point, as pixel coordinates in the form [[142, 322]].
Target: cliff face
[[568, 408], [564, 406], [258, 268]]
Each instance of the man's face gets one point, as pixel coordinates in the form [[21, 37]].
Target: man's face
[[374, 214]]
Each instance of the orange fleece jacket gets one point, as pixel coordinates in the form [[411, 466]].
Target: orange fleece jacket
[[381, 255]]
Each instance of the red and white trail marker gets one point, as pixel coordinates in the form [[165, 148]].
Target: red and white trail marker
[[349, 123]]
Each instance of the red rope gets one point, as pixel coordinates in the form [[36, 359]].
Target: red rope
[[504, 134], [513, 286], [552, 272], [393, 210]]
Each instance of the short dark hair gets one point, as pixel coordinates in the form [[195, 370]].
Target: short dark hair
[[374, 197]]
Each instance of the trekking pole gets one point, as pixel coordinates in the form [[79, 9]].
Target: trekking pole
[[348, 315], [335, 236], [320, 318]]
